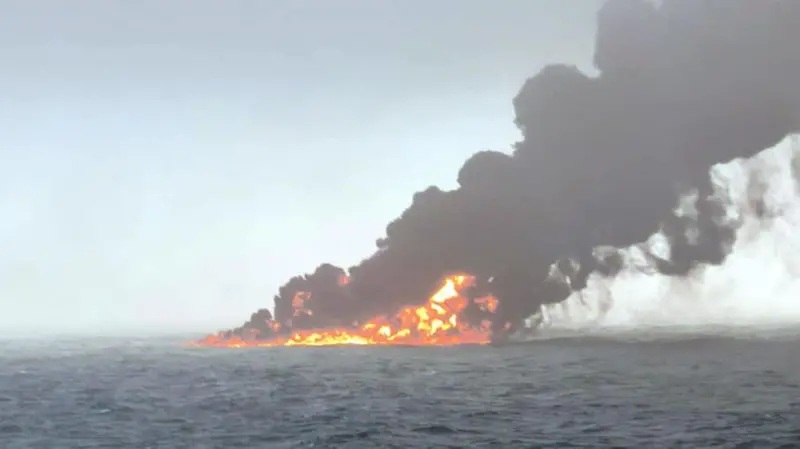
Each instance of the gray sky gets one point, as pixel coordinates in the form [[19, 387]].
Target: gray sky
[[168, 165]]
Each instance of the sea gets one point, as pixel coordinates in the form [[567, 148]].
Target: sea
[[626, 390]]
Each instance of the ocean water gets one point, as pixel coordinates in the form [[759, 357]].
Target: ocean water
[[626, 391]]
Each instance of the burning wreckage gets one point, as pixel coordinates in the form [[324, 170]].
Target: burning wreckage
[[682, 85], [454, 314]]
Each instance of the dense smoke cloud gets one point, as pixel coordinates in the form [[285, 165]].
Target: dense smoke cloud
[[604, 160]]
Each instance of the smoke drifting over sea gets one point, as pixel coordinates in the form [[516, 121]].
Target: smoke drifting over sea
[[605, 163]]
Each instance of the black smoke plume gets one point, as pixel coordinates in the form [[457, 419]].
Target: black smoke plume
[[682, 85]]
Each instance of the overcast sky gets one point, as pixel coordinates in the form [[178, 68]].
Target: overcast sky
[[168, 165]]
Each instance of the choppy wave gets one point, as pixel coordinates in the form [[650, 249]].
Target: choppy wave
[[554, 394]]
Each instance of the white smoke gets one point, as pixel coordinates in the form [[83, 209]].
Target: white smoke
[[759, 283]]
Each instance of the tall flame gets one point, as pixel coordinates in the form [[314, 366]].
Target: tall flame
[[436, 322]]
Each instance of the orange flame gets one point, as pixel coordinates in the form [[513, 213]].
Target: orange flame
[[299, 304], [434, 323], [343, 280]]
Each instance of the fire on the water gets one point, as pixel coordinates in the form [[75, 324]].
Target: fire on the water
[[437, 322]]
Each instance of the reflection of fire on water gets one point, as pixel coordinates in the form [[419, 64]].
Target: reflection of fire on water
[[437, 322]]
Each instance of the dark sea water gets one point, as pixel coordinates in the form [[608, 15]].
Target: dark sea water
[[687, 392]]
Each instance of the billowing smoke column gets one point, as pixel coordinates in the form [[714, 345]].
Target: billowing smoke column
[[604, 160]]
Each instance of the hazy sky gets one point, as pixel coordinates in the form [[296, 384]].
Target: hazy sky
[[171, 164]]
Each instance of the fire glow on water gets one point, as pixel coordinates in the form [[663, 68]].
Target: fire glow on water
[[435, 323]]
